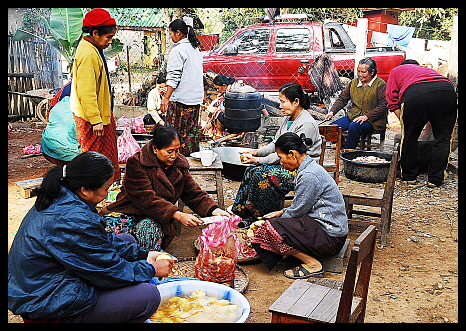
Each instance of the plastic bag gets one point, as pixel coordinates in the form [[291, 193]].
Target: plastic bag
[[138, 124], [219, 250], [127, 145]]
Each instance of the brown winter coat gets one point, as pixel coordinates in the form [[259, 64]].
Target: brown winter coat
[[148, 192]]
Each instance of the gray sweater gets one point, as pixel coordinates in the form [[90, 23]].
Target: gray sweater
[[317, 195], [304, 123]]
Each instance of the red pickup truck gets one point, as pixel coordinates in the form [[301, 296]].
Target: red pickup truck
[[266, 56]]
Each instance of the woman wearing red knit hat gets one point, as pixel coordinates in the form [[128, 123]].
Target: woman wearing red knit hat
[[91, 97]]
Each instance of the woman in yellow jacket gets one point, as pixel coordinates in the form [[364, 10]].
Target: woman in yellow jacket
[[91, 99]]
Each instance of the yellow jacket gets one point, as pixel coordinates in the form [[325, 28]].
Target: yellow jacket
[[90, 96]]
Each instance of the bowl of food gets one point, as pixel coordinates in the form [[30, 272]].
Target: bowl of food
[[191, 301], [366, 166]]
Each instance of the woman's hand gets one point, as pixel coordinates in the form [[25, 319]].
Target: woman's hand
[[98, 129], [187, 219], [329, 115], [273, 214], [220, 212], [162, 267], [164, 105], [360, 119]]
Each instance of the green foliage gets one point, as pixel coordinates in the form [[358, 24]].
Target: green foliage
[[430, 23]]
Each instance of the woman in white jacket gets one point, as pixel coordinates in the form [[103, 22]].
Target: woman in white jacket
[[185, 86]]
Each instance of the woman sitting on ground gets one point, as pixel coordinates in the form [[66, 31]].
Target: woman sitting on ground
[[315, 225], [266, 182], [63, 265], [155, 179]]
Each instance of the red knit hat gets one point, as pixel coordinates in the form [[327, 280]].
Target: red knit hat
[[98, 17]]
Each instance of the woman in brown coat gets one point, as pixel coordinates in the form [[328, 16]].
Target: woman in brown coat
[[156, 177]]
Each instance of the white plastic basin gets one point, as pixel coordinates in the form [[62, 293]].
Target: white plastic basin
[[186, 287]]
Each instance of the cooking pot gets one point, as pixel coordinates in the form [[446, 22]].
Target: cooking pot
[[366, 172], [232, 166], [243, 109]]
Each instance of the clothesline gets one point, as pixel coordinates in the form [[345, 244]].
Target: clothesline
[[416, 28]]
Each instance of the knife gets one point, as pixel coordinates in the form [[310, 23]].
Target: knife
[[211, 219]]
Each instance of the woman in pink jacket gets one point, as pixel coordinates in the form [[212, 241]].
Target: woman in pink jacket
[[419, 95]]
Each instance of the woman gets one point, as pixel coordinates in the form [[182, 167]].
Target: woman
[[369, 106], [156, 178], [185, 85], [64, 266], [315, 225], [214, 125], [419, 95], [266, 182], [91, 100], [155, 97]]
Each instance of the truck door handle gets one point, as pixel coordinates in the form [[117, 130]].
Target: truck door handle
[[261, 62], [304, 61]]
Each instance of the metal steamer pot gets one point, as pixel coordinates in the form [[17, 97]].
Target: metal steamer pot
[[366, 172], [243, 109], [232, 166]]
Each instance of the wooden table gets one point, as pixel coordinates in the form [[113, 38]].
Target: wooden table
[[196, 168]]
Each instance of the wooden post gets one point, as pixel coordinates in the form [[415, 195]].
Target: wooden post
[[361, 41]]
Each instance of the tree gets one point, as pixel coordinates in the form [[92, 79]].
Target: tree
[[430, 23]]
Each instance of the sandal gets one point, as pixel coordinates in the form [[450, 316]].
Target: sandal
[[305, 273]]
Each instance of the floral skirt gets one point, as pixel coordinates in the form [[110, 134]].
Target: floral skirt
[[185, 118], [262, 189], [147, 232]]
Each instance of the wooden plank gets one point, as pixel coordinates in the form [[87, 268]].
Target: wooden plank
[[309, 300], [289, 297], [328, 307]]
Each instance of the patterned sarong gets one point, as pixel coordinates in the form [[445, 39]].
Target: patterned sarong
[[185, 118]]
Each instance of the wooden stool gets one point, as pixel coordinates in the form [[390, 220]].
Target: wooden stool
[[196, 168], [320, 300], [383, 198], [365, 141], [28, 187]]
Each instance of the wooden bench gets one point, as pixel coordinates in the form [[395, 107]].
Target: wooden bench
[[320, 300]]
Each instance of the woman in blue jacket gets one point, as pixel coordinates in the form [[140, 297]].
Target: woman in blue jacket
[[63, 265]]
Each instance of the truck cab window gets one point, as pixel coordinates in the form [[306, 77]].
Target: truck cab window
[[253, 41], [292, 41]]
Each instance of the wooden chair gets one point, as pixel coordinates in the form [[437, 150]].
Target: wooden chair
[[332, 133], [320, 300], [356, 194], [365, 143]]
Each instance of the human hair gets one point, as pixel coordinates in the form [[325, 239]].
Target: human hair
[[291, 141], [101, 30], [371, 65], [187, 30], [89, 169], [163, 136], [293, 91], [222, 80], [409, 61], [161, 79]]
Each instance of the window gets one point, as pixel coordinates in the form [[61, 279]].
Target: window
[[333, 41], [292, 41], [253, 41]]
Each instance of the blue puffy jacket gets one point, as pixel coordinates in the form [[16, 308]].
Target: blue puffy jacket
[[62, 257]]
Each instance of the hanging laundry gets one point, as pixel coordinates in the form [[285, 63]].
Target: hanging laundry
[[401, 35]]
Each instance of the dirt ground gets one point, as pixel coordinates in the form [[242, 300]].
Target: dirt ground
[[414, 279]]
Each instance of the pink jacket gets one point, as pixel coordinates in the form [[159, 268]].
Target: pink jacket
[[403, 77]]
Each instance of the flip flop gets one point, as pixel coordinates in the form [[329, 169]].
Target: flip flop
[[306, 273]]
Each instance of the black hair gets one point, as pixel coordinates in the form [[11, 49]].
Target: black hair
[[161, 79], [291, 141], [293, 91], [222, 80], [163, 136], [89, 169], [187, 30], [371, 65], [101, 30], [409, 61]]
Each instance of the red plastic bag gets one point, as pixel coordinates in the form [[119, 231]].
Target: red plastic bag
[[219, 250], [138, 124], [127, 145]]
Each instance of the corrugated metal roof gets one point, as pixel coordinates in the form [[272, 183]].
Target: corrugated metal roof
[[139, 17]]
